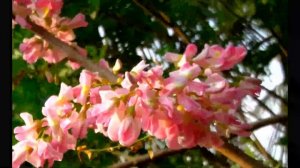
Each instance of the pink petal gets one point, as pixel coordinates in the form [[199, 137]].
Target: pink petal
[[172, 57], [216, 83], [129, 131], [78, 21], [113, 127], [190, 51]]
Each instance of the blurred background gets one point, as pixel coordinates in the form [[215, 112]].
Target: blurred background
[[132, 30]]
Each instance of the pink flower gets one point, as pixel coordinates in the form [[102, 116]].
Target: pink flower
[[129, 131], [157, 126], [22, 22], [63, 141], [76, 22], [86, 78], [29, 131], [250, 85], [180, 60], [48, 7], [190, 51], [197, 87], [32, 49], [35, 152], [113, 127], [66, 36], [26, 150], [129, 81], [172, 137], [103, 64], [181, 78], [80, 127], [153, 77], [216, 83], [232, 56], [218, 58], [230, 97], [95, 96], [20, 9], [172, 57], [23, 2], [139, 67], [54, 55], [65, 93], [188, 103], [47, 152]]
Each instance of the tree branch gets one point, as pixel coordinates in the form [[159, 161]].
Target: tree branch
[[214, 160], [273, 120], [272, 93], [264, 122], [71, 53], [144, 159], [235, 154], [228, 150], [263, 105]]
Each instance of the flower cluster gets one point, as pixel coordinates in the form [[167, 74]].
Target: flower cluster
[[46, 14], [194, 106]]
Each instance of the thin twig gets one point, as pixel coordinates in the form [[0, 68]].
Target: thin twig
[[146, 158], [263, 105], [248, 25], [265, 122], [164, 20], [258, 145], [272, 93]]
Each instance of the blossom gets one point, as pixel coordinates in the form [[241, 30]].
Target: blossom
[[180, 78], [218, 58], [76, 22], [26, 150], [48, 7], [250, 85], [129, 131], [29, 131], [32, 49], [179, 59], [86, 78]]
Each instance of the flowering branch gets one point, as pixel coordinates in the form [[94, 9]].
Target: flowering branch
[[228, 150], [193, 106], [72, 54]]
